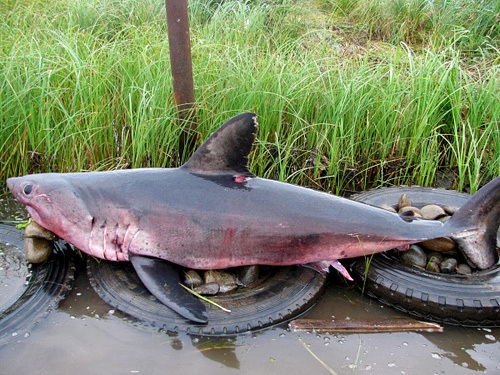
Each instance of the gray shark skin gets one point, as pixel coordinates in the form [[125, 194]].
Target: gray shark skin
[[213, 213]]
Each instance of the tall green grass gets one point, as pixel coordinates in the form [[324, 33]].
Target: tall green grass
[[86, 85], [474, 25]]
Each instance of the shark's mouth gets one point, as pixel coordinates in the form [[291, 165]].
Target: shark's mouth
[[34, 214]]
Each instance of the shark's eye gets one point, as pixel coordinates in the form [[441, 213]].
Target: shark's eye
[[27, 189]]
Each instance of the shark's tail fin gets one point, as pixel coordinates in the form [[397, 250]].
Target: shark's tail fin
[[477, 223]]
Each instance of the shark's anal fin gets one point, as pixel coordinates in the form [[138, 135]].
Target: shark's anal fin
[[162, 279]]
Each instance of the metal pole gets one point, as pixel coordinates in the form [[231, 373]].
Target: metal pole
[[182, 71]]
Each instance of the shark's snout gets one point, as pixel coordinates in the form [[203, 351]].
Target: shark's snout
[[11, 182]]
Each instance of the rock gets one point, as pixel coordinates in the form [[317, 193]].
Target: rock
[[404, 201], [444, 219], [432, 211], [414, 256], [37, 250], [464, 269], [248, 275], [35, 230], [449, 209], [449, 265], [192, 279], [209, 289], [435, 256], [219, 277], [225, 280], [226, 288], [440, 244], [433, 267], [388, 208], [415, 210]]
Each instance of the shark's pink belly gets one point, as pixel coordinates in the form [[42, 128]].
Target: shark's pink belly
[[232, 249]]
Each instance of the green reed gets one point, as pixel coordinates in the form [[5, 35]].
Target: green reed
[[86, 85]]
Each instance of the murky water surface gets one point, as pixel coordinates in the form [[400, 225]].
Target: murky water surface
[[86, 336], [13, 272]]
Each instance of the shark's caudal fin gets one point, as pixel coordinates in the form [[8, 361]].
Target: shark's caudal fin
[[227, 149], [478, 221]]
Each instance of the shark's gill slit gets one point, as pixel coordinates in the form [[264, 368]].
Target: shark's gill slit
[[91, 234], [107, 250], [104, 232], [115, 240], [125, 245]]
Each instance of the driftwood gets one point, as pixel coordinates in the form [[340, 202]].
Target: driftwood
[[363, 326]]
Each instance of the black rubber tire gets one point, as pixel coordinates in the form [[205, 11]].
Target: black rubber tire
[[47, 285], [452, 299], [283, 294]]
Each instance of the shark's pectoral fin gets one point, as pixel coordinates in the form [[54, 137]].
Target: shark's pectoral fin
[[162, 279], [324, 265]]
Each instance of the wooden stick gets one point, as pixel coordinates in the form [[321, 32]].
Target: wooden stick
[[363, 326]]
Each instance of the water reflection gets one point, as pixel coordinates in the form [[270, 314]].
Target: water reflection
[[84, 303], [457, 344], [218, 349], [13, 275], [463, 352], [14, 271]]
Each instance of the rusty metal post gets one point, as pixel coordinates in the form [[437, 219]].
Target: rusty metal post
[[182, 71]]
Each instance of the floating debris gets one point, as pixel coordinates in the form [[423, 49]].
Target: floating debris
[[363, 326]]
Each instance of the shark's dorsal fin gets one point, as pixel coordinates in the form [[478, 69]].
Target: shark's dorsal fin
[[227, 149]]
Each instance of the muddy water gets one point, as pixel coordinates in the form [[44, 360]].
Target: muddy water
[[86, 336]]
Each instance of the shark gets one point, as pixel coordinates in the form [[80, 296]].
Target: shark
[[213, 213]]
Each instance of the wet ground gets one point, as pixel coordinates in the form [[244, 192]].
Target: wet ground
[[86, 336]]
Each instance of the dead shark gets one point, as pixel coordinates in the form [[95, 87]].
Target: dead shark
[[213, 213]]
